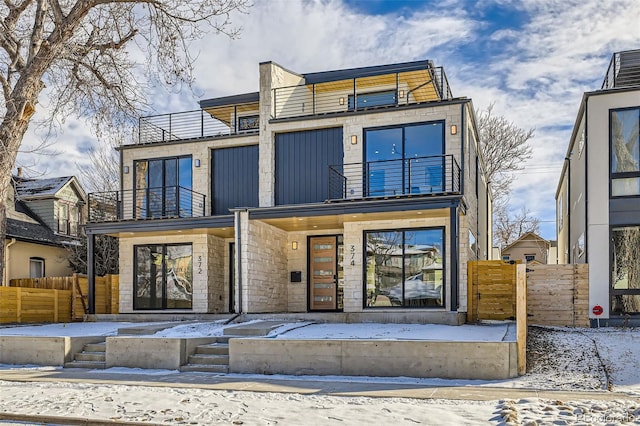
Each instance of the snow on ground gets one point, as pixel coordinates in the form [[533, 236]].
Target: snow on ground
[[460, 333], [558, 359], [207, 407], [72, 329]]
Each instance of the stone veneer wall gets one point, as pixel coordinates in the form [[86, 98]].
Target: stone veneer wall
[[264, 264], [200, 284]]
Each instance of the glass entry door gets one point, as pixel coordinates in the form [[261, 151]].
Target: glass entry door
[[323, 275]]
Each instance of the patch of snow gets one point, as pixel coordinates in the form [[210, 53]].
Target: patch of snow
[[137, 371], [73, 329], [198, 329], [456, 333]]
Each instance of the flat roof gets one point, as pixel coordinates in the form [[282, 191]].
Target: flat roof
[[350, 73], [244, 98]]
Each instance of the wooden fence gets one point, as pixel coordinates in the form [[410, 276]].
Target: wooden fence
[[491, 290], [59, 299], [22, 304], [558, 295]]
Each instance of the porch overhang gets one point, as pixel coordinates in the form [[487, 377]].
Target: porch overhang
[[325, 216], [222, 226]]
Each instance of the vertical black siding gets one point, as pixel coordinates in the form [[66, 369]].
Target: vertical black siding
[[234, 178], [302, 164]]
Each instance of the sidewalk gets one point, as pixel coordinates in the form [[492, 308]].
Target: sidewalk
[[252, 383]]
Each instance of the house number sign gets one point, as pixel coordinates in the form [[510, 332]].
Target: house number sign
[[352, 250], [199, 264]]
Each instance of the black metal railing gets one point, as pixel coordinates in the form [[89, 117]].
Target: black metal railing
[[623, 71], [392, 178], [146, 203], [192, 125], [364, 93]]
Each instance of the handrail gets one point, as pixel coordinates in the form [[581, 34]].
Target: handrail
[[391, 178], [362, 93], [146, 203]]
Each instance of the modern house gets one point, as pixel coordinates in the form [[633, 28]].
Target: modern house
[[531, 248], [598, 203], [44, 216], [357, 191]]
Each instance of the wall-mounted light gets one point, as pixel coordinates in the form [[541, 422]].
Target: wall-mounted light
[[354, 139], [341, 101], [126, 170], [401, 94], [454, 129], [294, 245], [197, 162]]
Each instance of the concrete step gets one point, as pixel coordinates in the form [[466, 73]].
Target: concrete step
[[90, 356], [94, 365], [95, 347], [213, 349], [205, 368], [209, 359], [224, 339], [261, 328]]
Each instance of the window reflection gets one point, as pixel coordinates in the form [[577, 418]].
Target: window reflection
[[625, 270], [405, 268]]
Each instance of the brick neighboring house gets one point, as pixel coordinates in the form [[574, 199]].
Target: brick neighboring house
[[43, 217], [598, 208], [531, 248], [357, 191]]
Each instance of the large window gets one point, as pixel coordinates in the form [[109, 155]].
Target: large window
[[625, 270], [163, 187], [163, 276], [405, 268], [404, 160], [625, 152], [68, 218]]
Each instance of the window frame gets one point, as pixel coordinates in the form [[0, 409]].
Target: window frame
[[443, 231], [164, 277], [41, 262], [621, 175]]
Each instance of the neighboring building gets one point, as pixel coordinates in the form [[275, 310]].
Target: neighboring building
[[531, 248], [43, 217], [358, 191], [598, 208]]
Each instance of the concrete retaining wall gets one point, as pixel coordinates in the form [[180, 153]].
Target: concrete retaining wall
[[137, 352], [449, 360], [39, 350]]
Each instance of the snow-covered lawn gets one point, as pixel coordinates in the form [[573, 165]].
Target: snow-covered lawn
[[72, 329]]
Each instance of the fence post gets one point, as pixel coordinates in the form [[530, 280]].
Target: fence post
[[521, 317], [19, 304], [55, 305]]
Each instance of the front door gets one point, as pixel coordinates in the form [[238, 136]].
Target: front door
[[323, 276]]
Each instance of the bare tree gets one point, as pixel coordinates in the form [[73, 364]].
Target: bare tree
[[505, 148], [507, 226], [76, 49]]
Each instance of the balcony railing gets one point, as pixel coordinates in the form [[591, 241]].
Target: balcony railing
[[363, 93], [191, 125], [623, 71], [146, 203], [437, 175]]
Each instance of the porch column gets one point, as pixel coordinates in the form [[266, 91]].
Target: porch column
[[91, 275], [454, 247]]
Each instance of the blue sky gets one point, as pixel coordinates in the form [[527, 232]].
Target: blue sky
[[532, 59]]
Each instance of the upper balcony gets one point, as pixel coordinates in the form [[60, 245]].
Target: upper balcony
[[433, 175], [368, 88], [231, 115], [146, 203], [623, 71]]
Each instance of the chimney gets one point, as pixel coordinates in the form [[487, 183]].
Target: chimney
[[19, 172]]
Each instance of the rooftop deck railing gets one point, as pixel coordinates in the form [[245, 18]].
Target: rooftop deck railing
[[362, 93], [623, 71], [435, 175], [146, 203], [188, 125]]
